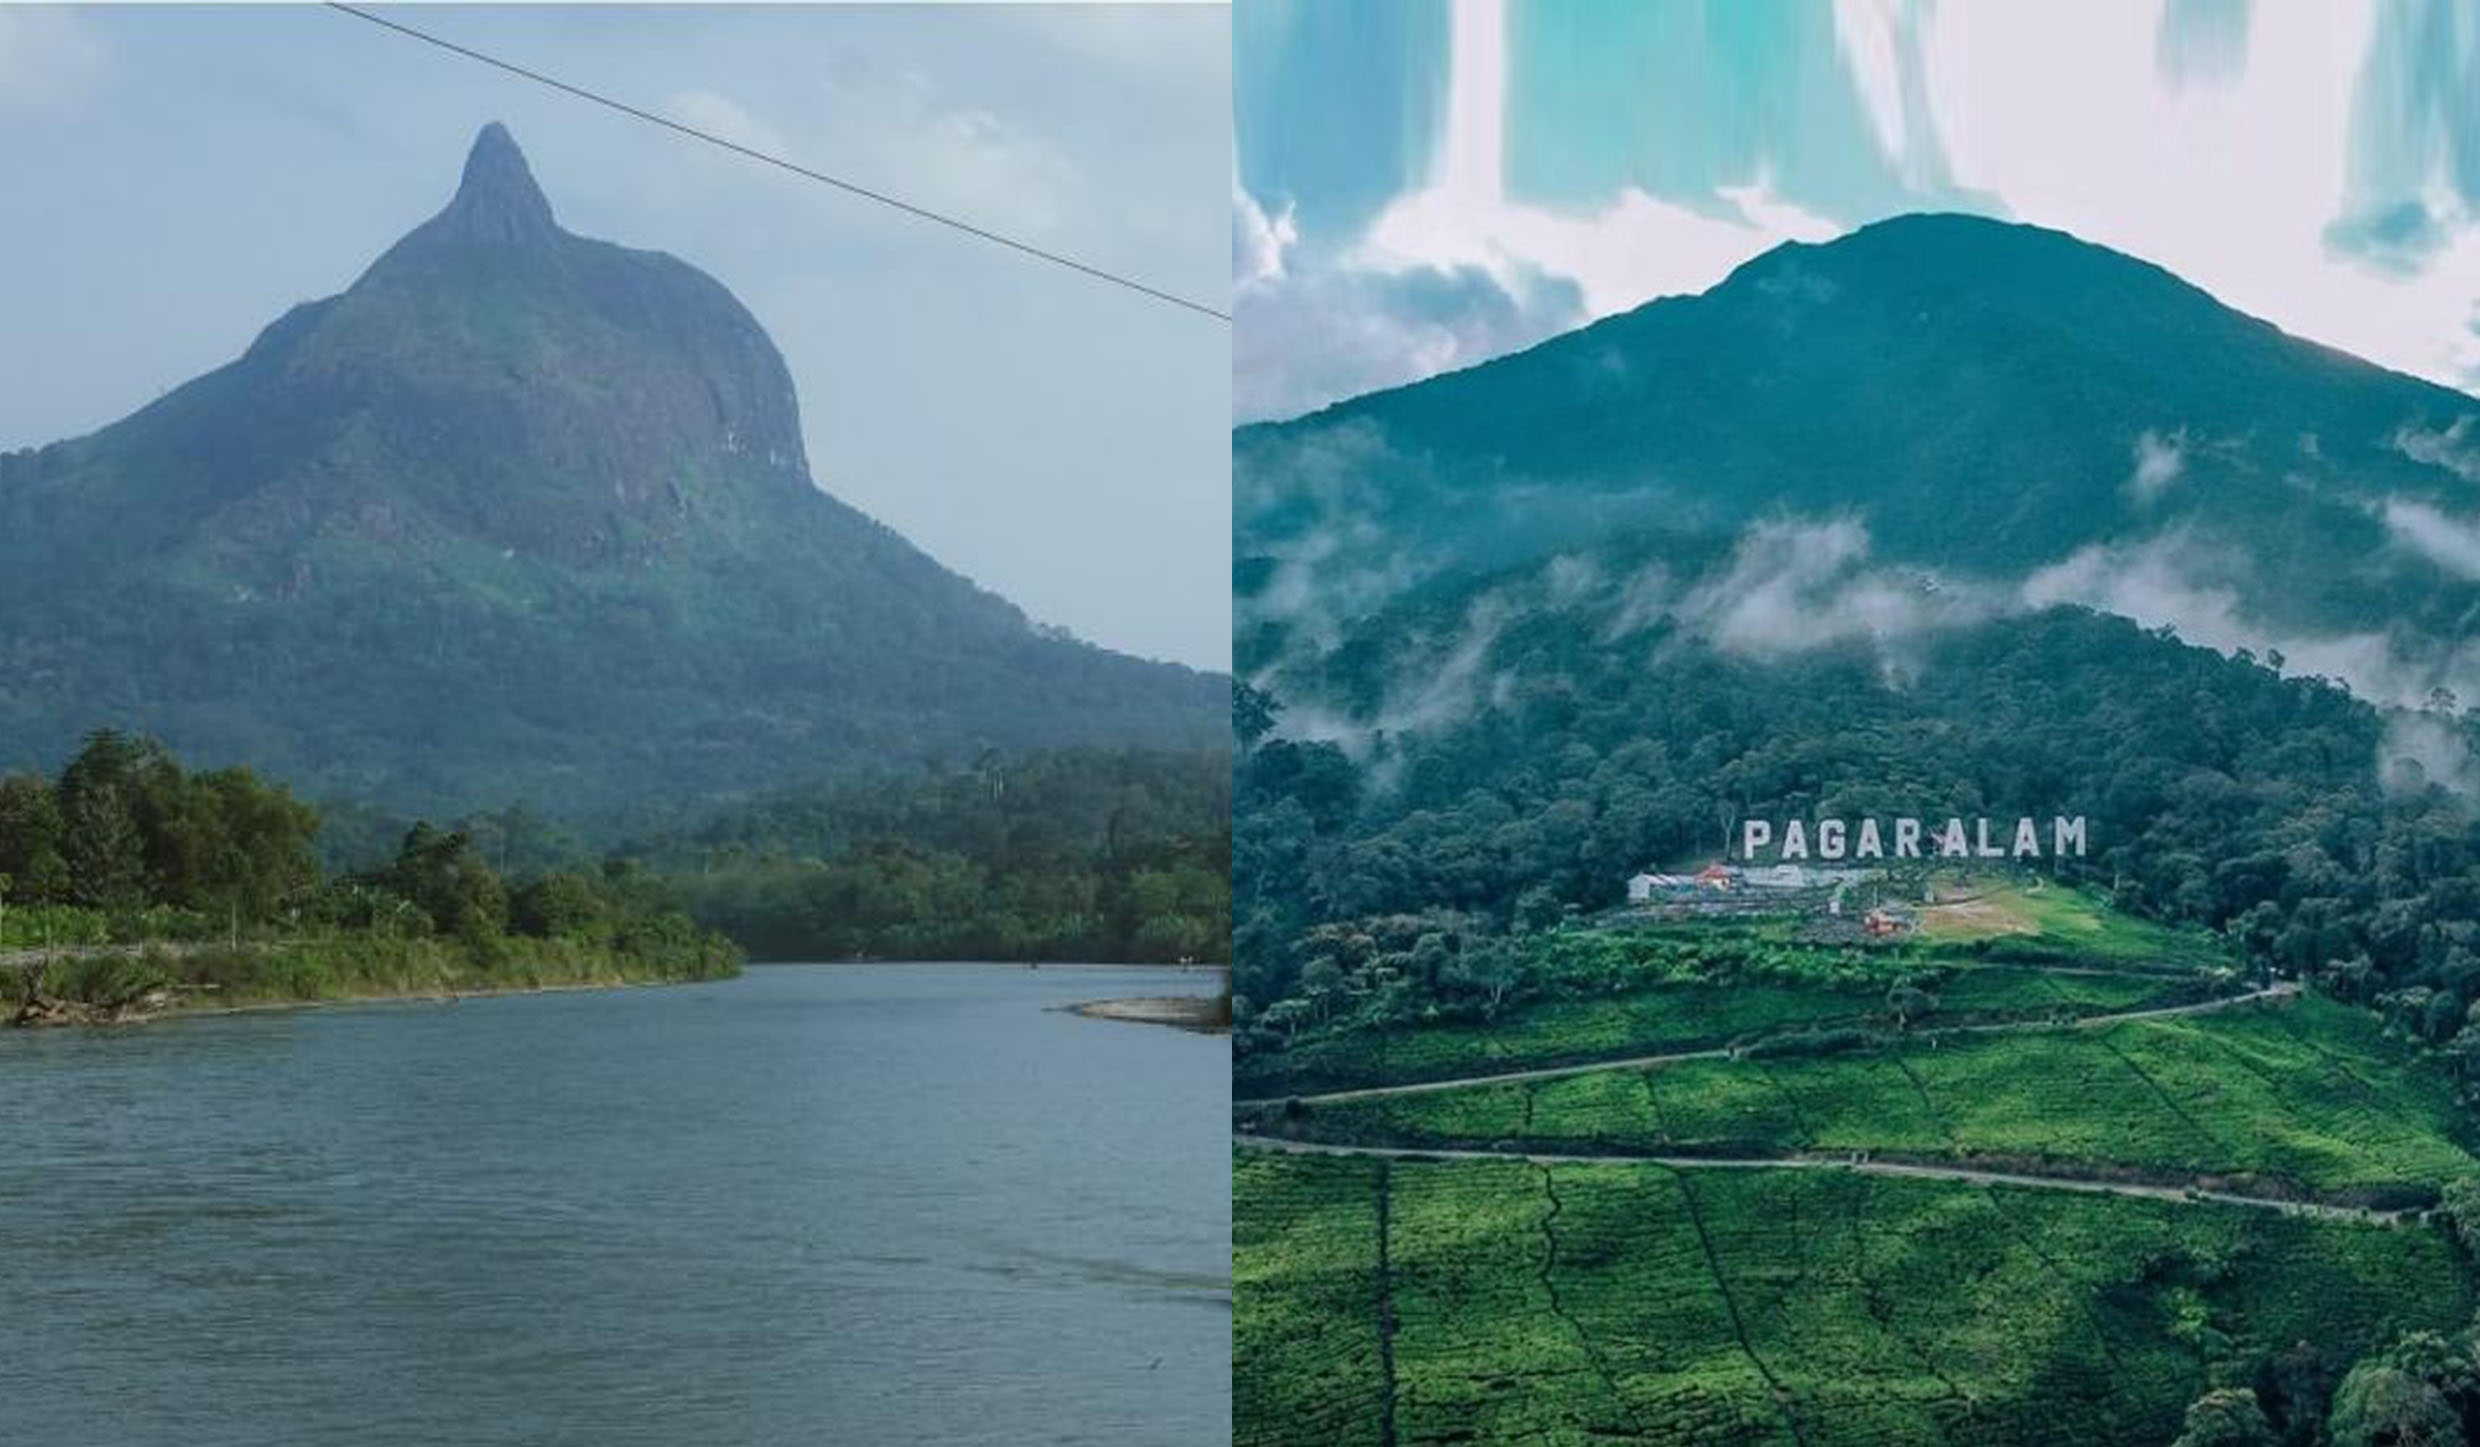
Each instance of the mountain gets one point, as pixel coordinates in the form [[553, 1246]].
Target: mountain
[[1931, 419], [1842, 540], [518, 514]]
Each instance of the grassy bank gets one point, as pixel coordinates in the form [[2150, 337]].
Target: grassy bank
[[102, 984]]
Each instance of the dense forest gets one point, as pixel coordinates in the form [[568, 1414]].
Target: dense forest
[[2280, 811], [1105, 855], [127, 874], [1074, 854]]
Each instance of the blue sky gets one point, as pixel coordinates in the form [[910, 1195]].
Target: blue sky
[[178, 176], [1417, 188]]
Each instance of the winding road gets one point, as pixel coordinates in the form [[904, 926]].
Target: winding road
[[2279, 990], [1860, 1164]]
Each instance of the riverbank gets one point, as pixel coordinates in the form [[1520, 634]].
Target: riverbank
[[1204, 1014], [66, 1014], [130, 985]]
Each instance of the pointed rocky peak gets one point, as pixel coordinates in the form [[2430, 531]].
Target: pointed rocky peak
[[498, 200]]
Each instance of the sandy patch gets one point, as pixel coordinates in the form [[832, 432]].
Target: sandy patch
[[1204, 1013]]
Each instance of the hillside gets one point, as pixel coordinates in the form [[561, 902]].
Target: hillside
[[1076, 854], [518, 514], [1998, 413], [1944, 518]]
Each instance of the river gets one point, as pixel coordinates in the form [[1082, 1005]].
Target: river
[[868, 1204]]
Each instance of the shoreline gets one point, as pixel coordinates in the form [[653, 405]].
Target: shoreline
[[1197, 1014], [145, 1013], [1171, 967]]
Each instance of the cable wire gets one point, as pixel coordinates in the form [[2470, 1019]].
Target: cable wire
[[852, 188]]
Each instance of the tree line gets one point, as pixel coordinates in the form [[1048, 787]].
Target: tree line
[[2275, 810], [1105, 855], [125, 844]]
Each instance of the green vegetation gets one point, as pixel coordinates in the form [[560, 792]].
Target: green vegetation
[[2305, 1097], [1082, 854], [2237, 817], [1689, 1014], [1437, 995], [129, 883], [1308, 1360], [1974, 390], [518, 515], [345, 966], [1582, 1303], [2032, 919], [1432, 907], [1601, 601]]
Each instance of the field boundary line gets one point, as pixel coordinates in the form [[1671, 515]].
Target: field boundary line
[[1873, 1297], [1386, 1305], [2079, 1290], [1584, 1339], [1928, 1107], [1739, 1327], [2282, 990], [2162, 1093], [2087, 1185]]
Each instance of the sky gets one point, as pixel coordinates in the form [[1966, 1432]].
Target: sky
[[177, 177], [1419, 188]]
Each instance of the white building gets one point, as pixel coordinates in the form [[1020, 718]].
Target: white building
[[1643, 888]]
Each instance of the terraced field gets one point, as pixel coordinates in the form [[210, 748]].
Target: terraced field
[[2302, 1097], [1404, 1302], [1682, 1016], [1305, 1279], [1751, 1209]]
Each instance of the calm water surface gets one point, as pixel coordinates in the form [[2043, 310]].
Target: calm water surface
[[819, 1204]]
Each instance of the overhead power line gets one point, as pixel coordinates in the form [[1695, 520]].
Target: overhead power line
[[851, 188]]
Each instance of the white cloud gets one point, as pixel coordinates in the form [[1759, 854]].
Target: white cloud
[[2450, 543], [2166, 582], [1625, 254], [2218, 146], [2159, 461], [2061, 113], [1259, 242], [1434, 679], [2420, 749], [1621, 255], [2452, 448], [1309, 330], [1793, 586], [2170, 581], [1380, 309], [1868, 32]]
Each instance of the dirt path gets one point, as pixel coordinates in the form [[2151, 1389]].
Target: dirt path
[[1861, 1166], [2281, 990]]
